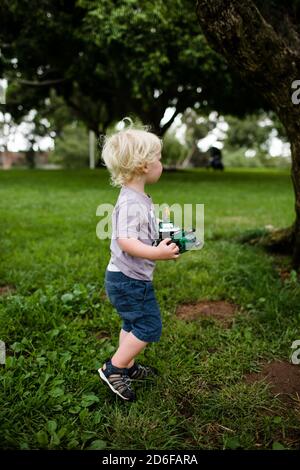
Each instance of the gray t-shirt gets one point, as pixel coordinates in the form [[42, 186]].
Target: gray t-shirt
[[133, 216]]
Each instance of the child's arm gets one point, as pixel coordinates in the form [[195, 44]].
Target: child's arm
[[135, 247]]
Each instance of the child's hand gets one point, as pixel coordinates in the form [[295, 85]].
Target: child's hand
[[165, 251]]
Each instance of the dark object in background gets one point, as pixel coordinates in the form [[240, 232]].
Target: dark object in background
[[30, 158], [215, 159]]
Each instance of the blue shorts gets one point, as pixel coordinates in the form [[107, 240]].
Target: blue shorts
[[136, 304]]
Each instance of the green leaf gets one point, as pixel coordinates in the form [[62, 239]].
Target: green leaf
[[51, 426], [75, 409], [41, 360], [97, 445], [97, 417], [57, 382], [86, 435], [54, 439], [83, 414], [61, 432], [232, 443], [52, 355], [53, 333], [278, 446], [73, 444], [67, 298], [172, 420], [56, 392], [42, 438], [17, 347], [44, 299], [65, 357], [88, 400], [77, 292], [24, 446], [43, 379], [10, 361]]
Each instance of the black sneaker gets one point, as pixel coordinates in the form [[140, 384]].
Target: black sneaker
[[118, 380], [140, 372]]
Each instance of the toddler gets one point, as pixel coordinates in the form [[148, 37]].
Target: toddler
[[133, 158]]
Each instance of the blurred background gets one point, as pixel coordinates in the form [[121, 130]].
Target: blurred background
[[71, 70]]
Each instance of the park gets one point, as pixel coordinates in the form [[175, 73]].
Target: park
[[216, 82]]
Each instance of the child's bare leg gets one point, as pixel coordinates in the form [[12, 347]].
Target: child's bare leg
[[122, 336], [129, 348]]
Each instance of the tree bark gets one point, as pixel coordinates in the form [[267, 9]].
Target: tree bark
[[295, 144], [237, 30]]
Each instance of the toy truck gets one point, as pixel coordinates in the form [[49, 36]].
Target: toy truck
[[184, 239]]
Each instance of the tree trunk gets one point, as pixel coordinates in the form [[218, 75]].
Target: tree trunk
[[295, 145], [187, 159], [237, 30]]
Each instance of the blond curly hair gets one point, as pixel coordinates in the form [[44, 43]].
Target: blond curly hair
[[126, 152]]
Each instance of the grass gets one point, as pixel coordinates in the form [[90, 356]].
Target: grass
[[59, 328]]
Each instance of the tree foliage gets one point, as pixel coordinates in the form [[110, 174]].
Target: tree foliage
[[111, 58]]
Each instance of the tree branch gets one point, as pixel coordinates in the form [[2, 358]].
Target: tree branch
[[43, 83]]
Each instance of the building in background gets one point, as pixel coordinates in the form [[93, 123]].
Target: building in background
[[19, 160]]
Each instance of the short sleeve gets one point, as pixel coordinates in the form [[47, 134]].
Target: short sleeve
[[130, 217]]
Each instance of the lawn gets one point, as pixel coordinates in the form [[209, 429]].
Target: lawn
[[59, 327]]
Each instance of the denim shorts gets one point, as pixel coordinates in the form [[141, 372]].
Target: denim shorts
[[136, 304]]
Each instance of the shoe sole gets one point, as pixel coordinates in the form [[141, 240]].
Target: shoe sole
[[104, 378]]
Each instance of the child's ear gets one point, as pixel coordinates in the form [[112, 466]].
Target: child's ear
[[145, 168]]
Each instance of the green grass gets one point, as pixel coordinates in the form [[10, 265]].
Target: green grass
[[51, 394]]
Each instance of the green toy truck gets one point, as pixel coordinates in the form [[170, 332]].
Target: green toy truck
[[184, 239]]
